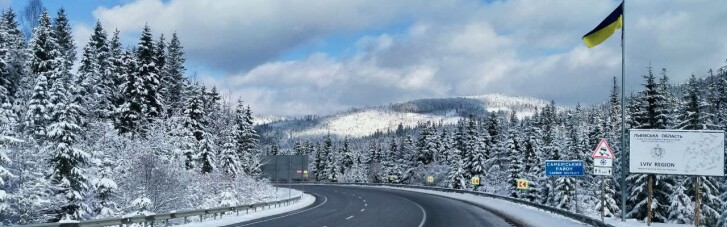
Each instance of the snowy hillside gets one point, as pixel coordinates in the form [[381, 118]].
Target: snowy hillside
[[367, 121]]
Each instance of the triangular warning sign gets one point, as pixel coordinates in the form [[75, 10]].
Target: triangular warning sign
[[603, 150]]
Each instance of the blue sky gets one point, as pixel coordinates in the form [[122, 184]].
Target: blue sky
[[295, 57]]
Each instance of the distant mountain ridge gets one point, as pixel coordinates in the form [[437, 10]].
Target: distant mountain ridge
[[360, 122]]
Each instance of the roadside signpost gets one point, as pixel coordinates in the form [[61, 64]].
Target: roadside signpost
[[557, 168], [603, 166], [677, 152], [561, 168], [475, 181], [430, 179], [522, 184]]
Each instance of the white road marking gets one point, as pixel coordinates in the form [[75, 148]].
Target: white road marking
[[349, 217], [424, 218], [362, 210], [325, 199], [366, 204]]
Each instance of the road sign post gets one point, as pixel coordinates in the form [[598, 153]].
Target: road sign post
[[475, 181], [430, 179], [522, 184], [603, 166], [558, 168]]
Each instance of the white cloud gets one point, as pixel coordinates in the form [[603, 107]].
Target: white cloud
[[450, 48]]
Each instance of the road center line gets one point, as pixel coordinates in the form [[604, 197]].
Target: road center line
[[349, 217], [362, 210]]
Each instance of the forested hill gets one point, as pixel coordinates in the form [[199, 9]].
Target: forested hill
[[360, 122]]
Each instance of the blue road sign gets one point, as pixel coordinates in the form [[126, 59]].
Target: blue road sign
[[564, 168]]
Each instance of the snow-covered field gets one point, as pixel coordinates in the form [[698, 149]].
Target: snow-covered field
[[364, 123], [307, 200]]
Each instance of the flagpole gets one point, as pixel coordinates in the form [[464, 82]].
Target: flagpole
[[623, 114]]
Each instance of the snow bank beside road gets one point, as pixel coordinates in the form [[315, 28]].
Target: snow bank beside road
[[526, 215], [305, 201]]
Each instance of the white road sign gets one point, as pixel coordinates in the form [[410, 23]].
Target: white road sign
[[603, 171], [603, 162], [680, 152]]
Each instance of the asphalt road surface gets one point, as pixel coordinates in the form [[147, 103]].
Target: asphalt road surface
[[365, 206]]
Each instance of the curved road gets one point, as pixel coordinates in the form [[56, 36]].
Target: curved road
[[367, 206]]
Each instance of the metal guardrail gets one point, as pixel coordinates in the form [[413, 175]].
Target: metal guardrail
[[164, 218], [578, 217]]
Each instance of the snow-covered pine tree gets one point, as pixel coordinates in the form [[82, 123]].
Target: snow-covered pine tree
[[15, 58], [694, 115], [67, 160], [651, 113], [321, 161], [681, 209], [532, 165], [42, 63], [333, 161], [298, 148], [173, 77], [206, 154], [722, 220], [389, 161], [194, 113], [273, 149], [160, 57], [95, 74], [515, 166], [229, 158], [129, 111], [717, 95], [670, 102], [476, 156], [247, 140], [346, 157], [407, 160], [7, 120], [426, 147], [141, 206], [106, 191], [149, 74], [64, 38], [565, 187], [612, 130], [117, 69]]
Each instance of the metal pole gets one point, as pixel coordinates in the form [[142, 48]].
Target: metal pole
[[648, 203], [623, 113], [698, 201], [290, 169], [603, 198], [575, 188]]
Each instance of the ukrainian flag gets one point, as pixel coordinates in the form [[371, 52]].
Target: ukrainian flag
[[606, 28]]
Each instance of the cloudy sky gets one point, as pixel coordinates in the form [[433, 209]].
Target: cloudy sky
[[295, 57]]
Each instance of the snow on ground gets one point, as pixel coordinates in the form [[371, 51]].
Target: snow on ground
[[307, 200], [364, 123], [633, 223]]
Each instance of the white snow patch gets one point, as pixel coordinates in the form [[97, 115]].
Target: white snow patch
[[305, 201], [634, 223], [367, 122]]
